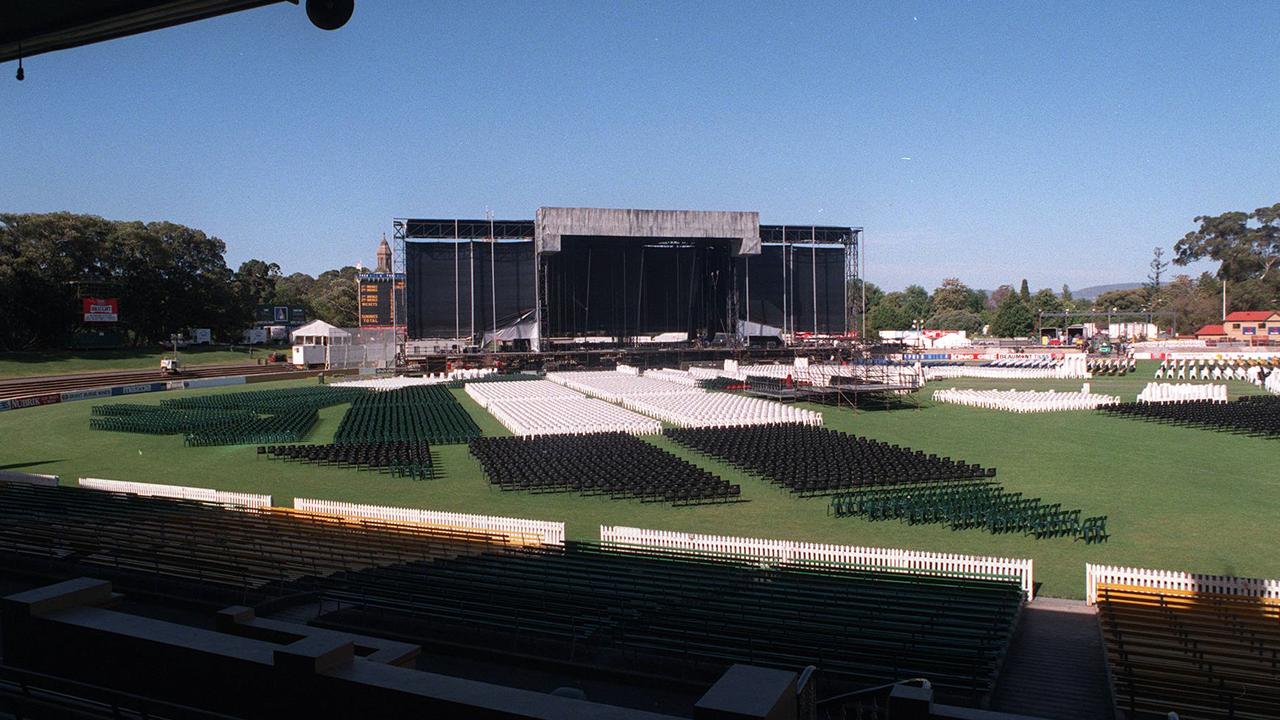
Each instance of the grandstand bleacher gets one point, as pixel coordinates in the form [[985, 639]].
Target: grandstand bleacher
[[1201, 655], [642, 613]]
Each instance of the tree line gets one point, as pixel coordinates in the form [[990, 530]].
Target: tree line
[[1245, 245], [168, 278], [171, 277]]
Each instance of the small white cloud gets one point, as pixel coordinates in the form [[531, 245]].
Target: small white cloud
[[904, 157]]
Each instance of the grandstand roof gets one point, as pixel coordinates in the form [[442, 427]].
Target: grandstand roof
[[1211, 330]]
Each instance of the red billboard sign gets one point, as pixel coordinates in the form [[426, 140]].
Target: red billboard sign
[[101, 309]]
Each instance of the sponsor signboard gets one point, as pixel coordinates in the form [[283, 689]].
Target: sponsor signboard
[[101, 309], [135, 389], [1249, 330], [4, 405], [73, 395], [34, 401], [1273, 330]]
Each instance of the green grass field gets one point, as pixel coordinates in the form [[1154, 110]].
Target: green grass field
[[60, 362], [1176, 498]]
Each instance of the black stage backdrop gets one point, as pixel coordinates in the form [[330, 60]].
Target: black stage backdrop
[[617, 287], [761, 278], [440, 283]]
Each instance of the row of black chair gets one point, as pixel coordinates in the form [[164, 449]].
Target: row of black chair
[[816, 461], [402, 459], [613, 464], [1257, 415]]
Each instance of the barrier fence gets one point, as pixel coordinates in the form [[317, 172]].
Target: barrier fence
[[1096, 575], [221, 497], [914, 562], [547, 532], [29, 478]]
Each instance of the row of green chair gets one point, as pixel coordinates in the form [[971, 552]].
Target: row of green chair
[[429, 414], [965, 506]]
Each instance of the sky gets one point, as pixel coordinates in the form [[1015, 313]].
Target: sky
[[1060, 142]]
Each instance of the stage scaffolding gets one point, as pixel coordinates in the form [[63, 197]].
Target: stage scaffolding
[[801, 317]]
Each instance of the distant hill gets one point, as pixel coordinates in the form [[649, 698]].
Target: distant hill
[[1094, 291]]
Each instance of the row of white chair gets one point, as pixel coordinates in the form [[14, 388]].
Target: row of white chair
[[682, 404], [488, 393], [614, 386], [719, 410], [1166, 392], [1024, 401], [1190, 370], [576, 415]]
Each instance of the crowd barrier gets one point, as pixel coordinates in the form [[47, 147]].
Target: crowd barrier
[[29, 478], [547, 532], [1096, 575], [209, 495], [913, 562]]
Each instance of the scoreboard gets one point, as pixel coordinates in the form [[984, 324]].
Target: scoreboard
[[376, 292]]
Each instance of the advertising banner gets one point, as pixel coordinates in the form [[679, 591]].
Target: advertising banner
[[101, 309], [34, 401], [73, 395]]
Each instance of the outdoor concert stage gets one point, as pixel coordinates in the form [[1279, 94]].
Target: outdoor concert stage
[[584, 278]]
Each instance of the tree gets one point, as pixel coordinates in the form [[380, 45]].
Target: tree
[[334, 298], [1013, 318], [1158, 265], [1066, 293], [950, 295], [965, 320], [998, 295], [855, 309], [294, 289], [1246, 245], [897, 310], [1025, 292], [1131, 300], [168, 277], [1193, 303], [1046, 301], [256, 281], [915, 302]]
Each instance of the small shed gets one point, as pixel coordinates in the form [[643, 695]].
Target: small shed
[[311, 342]]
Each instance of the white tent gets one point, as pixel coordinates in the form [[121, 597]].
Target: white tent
[[319, 332], [312, 343]]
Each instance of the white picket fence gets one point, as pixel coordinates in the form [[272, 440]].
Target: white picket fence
[[1096, 575], [548, 533], [783, 551], [208, 495]]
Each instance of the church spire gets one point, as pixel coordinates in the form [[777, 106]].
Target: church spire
[[384, 256]]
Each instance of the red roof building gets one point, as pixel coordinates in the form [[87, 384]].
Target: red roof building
[[1253, 316], [1211, 331], [1252, 326]]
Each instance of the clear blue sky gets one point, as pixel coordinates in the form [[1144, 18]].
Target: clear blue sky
[[1056, 141]]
